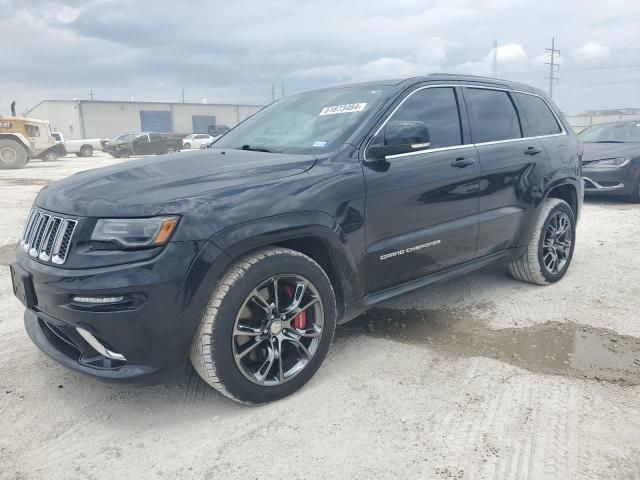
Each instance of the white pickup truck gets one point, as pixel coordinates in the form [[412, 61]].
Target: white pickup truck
[[82, 148]]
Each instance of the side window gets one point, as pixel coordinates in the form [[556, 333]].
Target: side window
[[492, 114], [31, 130], [154, 137], [539, 119], [438, 109]]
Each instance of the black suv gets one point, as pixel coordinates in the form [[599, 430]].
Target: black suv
[[246, 256]]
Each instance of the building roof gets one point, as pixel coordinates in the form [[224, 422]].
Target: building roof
[[217, 104]]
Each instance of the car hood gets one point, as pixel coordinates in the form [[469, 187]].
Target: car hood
[[144, 187], [598, 151]]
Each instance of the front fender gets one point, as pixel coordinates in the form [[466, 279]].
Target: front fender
[[281, 229]]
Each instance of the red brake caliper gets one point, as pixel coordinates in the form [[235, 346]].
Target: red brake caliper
[[300, 320]]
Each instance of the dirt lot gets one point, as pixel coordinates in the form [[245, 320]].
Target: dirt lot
[[480, 377]]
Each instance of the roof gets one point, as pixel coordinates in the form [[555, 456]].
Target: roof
[[442, 77], [23, 119]]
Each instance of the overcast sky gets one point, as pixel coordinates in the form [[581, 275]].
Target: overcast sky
[[232, 51]]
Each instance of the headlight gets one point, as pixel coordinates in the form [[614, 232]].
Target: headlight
[[611, 162], [133, 232]]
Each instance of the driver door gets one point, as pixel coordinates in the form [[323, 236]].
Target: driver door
[[422, 206]]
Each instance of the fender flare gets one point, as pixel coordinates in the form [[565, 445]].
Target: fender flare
[[240, 239]]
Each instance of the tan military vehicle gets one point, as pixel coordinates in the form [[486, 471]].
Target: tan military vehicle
[[24, 138]]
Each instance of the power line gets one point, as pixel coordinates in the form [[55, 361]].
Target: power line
[[552, 65]]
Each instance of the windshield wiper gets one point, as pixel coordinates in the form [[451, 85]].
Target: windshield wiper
[[609, 141], [259, 149]]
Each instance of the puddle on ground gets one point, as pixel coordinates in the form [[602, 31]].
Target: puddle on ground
[[7, 254], [26, 181], [557, 348]]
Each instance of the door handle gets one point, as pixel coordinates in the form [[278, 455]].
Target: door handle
[[462, 162], [532, 151]]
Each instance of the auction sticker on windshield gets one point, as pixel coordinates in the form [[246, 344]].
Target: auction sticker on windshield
[[347, 108]]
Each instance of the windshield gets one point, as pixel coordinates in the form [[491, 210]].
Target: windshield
[[628, 132], [308, 123]]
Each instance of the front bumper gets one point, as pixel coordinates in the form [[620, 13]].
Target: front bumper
[[142, 340], [611, 181]]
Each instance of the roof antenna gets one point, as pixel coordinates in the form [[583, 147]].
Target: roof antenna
[[13, 109]]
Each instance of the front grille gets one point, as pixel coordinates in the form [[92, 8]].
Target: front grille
[[47, 237]]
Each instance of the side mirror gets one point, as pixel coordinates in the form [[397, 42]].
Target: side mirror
[[400, 137]]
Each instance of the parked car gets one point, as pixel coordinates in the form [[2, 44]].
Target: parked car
[[143, 143], [611, 162], [196, 140], [82, 148], [52, 153], [244, 257], [24, 138]]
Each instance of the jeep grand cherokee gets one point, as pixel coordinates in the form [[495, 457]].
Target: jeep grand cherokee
[[245, 256]]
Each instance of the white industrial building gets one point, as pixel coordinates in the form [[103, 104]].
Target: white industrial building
[[97, 119]]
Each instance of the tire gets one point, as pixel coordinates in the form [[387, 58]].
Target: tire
[[50, 156], [212, 352], [12, 154], [187, 146], [171, 149], [86, 151], [115, 155], [532, 266]]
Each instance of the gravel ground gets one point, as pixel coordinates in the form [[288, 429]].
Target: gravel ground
[[544, 386]]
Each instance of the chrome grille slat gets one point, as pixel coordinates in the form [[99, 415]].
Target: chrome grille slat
[[61, 246], [42, 227], [47, 237], [33, 230], [27, 224]]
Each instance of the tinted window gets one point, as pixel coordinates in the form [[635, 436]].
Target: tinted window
[[493, 116], [438, 109], [539, 119]]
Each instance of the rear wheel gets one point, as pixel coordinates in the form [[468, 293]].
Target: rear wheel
[[267, 327], [12, 154], [551, 245], [171, 149], [86, 151], [187, 145]]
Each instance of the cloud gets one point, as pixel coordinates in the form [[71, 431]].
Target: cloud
[[233, 51]]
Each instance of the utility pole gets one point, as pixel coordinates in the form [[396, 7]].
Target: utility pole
[[494, 69], [183, 95], [273, 92], [552, 65], [91, 94]]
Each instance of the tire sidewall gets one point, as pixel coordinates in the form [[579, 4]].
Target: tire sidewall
[[86, 151], [222, 335], [565, 208]]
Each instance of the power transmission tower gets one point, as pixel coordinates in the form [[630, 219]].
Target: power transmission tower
[[552, 65], [494, 69], [183, 94]]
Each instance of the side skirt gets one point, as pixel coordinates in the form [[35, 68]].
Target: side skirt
[[374, 298]]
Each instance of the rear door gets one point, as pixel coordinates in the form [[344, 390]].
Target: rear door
[[421, 207], [510, 164]]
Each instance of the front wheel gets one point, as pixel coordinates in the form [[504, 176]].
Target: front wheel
[[50, 156], [267, 327], [171, 149], [635, 195], [187, 145], [551, 245]]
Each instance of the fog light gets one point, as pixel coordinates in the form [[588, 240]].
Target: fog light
[[98, 300]]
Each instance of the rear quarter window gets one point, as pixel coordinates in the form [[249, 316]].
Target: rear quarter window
[[538, 117], [493, 115]]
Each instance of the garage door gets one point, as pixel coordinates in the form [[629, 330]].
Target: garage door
[[201, 122], [156, 121]]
